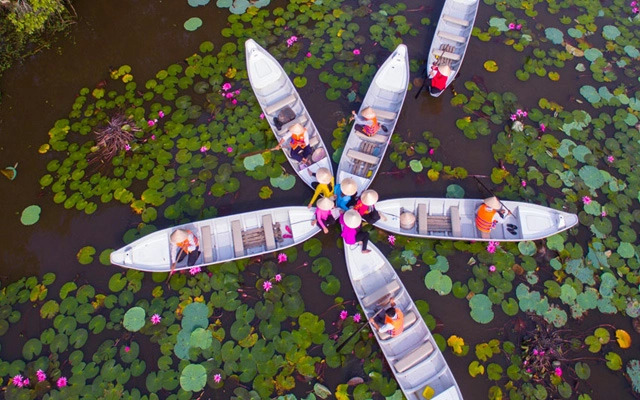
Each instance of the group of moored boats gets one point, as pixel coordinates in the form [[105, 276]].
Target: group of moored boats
[[414, 357]]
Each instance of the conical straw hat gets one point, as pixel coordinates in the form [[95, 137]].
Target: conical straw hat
[[407, 218], [323, 175], [179, 236], [348, 187], [325, 203], [368, 113], [492, 202], [445, 70], [352, 219], [369, 197], [297, 129]]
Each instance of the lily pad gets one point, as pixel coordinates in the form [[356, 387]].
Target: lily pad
[[455, 191], [192, 24], [481, 309], [284, 182], [30, 215], [134, 319], [193, 378]]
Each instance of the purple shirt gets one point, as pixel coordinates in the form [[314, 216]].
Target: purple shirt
[[348, 234]]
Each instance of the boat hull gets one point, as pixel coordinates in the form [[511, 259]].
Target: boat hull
[[533, 222], [222, 239]]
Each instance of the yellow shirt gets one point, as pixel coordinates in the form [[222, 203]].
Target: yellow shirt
[[323, 189]]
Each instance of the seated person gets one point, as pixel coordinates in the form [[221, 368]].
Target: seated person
[[324, 186], [367, 122], [439, 76], [392, 320], [325, 214], [183, 243], [488, 215], [299, 143], [365, 206], [351, 233], [345, 193]]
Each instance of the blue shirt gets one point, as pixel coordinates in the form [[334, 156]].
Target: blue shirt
[[341, 200]]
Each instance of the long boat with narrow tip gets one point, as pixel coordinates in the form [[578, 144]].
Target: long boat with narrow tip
[[222, 239], [275, 92], [413, 356], [452, 36], [455, 219], [362, 154]]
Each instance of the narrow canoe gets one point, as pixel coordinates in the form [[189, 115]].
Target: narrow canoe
[[413, 356], [452, 36], [454, 219], [275, 91], [223, 239], [362, 155]]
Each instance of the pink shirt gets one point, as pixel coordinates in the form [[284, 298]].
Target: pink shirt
[[321, 216], [348, 234]]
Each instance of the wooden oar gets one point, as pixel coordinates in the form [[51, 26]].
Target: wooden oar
[[173, 265], [491, 193], [253, 153], [383, 303]]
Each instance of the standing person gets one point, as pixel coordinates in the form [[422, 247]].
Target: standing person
[[393, 320], [488, 215], [439, 76], [324, 214], [351, 233], [345, 192], [365, 206], [325, 184], [299, 143], [183, 243], [367, 122]]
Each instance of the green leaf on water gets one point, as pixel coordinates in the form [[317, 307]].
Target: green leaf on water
[[30, 215], [134, 319], [455, 191], [527, 248], [193, 378], [85, 255], [481, 309], [192, 24]]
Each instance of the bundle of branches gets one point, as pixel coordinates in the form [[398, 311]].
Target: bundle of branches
[[116, 136]]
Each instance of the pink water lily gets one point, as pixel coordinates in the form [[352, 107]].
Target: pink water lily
[[234, 102], [41, 375], [492, 268], [194, 270], [155, 319], [309, 55], [344, 314], [153, 137], [356, 318], [226, 86], [523, 183], [603, 213], [392, 240], [61, 382], [217, 378], [203, 149], [542, 127], [491, 248], [127, 147], [518, 27], [160, 114], [267, 285], [18, 380], [278, 277], [356, 52], [558, 371], [586, 200], [611, 159], [127, 349], [261, 115], [282, 257], [229, 149], [512, 26], [431, 151]]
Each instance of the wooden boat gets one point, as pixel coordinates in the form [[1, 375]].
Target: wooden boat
[[413, 356], [223, 239], [452, 36], [455, 219], [275, 91], [362, 155]]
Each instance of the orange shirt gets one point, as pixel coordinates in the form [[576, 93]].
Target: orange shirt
[[397, 323], [484, 218]]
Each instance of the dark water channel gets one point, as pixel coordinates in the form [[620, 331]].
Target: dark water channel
[[149, 36]]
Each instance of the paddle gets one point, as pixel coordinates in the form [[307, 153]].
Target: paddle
[[253, 153], [173, 265], [491, 193], [384, 301]]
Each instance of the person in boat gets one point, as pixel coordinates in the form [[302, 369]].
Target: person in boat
[[488, 215], [345, 193], [391, 322], [184, 243], [326, 213], [351, 232], [324, 185], [299, 144], [439, 76], [366, 207], [367, 122]]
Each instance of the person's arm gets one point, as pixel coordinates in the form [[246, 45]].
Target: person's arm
[[173, 252], [316, 193], [319, 215], [332, 185], [193, 242]]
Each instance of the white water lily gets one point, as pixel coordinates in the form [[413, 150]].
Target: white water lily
[[517, 126]]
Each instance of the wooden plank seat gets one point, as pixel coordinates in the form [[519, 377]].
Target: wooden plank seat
[[236, 236], [254, 237], [454, 20], [379, 294], [206, 243], [301, 119], [410, 318], [439, 223], [414, 357], [367, 158], [377, 138], [447, 54], [384, 114], [456, 228], [422, 219], [269, 237], [451, 36], [279, 104]]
